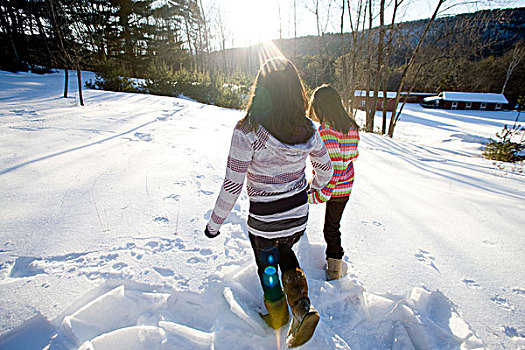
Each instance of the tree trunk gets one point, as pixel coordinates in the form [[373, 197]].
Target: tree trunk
[[66, 81], [9, 32], [294, 29], [344, 93], [369, 125], [354, 28], [79, 79], [397, 3], [379, 68], [518, 54]]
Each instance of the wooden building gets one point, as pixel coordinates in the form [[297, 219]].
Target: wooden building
[[466, 100], [414, 97]]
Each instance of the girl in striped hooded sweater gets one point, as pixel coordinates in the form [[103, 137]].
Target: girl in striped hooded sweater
[[340, 134], [269, 148]]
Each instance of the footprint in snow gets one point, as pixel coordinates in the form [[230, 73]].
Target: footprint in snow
[[108, 257], [194, 260], [502, 303], [178, 243], [164, 272], [199, 185], [161, 219], [513, 332], [24, 112], [143, 136], [119, 266], [25, 266], [373, 223], [471, 283], [489, 243], [205, 252], [519, 291], [137, 256], [172, 198], [152, 244], [427, 259]]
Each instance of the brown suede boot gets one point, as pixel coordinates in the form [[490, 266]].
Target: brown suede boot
[[305, 317], [333, 269], [278, 314]]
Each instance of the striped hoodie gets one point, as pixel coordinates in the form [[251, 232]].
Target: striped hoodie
[[342, 149], [275, 181]]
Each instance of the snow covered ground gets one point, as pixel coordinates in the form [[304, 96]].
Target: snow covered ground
[[102, 210]]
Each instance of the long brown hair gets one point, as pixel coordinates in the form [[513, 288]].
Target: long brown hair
[[278, 102], [326, 106]]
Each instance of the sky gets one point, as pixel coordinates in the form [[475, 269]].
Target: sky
[[249, 22]]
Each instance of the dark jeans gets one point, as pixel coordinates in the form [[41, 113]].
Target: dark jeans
[[274, 253], [332, 222]]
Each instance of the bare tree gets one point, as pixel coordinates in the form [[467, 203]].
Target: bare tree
[[68, 55], [396, 114], [356, 19], [388, 48], [294, 28], [344, 92], [369, 122], [223, 34], [517, 55], [315, 8], [379, 67]]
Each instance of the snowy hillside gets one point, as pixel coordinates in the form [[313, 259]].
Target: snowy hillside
[[102, 211]]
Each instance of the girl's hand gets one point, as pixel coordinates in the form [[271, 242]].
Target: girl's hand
[[211, 234]]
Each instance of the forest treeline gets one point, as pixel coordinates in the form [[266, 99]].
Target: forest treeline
[[176, 47]]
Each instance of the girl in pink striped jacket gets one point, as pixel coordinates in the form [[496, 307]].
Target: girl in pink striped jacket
[[340, 134]]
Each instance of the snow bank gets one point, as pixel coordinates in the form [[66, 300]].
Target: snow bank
[[351, 318]]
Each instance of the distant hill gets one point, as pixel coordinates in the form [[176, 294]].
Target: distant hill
[[499, 29], [466, 52]]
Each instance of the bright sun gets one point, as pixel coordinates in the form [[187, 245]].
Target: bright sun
[[251, 21]]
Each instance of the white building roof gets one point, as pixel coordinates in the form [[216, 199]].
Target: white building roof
[[474, 97], [389, 94]]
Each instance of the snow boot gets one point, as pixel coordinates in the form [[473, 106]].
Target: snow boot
[[278, 314], [305, 317], [333, 269]]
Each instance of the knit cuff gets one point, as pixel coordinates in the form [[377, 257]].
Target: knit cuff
[[212, 230]]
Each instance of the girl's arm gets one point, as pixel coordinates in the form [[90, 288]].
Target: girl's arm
[[331, 141], [239, 158], [322, 165], [354, 138]]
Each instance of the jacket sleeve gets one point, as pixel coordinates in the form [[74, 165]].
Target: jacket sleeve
[[239, 158], [331, 141], [354, 152], [323, 169]]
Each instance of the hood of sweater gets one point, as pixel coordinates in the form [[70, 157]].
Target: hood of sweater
[[288, 152]]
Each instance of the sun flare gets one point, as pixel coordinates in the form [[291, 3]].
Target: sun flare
[[268, 50], [252, 21]]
